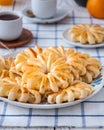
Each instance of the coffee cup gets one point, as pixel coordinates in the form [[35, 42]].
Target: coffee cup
[[10, 26], [44, 8]]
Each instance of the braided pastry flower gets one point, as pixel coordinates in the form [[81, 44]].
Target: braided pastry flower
[[44, 74], [55, 68], [87, 34]]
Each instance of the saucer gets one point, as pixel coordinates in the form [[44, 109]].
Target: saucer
[[61, 14], [67, 39], [24, 39]]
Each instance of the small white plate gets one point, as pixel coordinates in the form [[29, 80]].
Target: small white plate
[[66, 38], [61, 13]]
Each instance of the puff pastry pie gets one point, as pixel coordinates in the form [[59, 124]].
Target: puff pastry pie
[[87, 34], [38, 74]]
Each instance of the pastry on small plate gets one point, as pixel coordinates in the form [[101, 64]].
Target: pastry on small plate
[[87, 34]]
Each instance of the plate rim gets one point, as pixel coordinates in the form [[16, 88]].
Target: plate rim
[[44, 21], [77, 44]]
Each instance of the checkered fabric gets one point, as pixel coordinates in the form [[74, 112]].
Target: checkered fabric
[[86, 114]]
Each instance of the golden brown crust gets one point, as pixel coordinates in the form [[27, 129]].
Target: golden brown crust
[[37, 74], [78, 91], [87, 34]]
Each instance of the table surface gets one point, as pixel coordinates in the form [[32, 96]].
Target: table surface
[[18, 5]]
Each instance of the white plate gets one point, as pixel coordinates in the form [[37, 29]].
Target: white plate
[[97, 84], [66, 38], [61, 13]]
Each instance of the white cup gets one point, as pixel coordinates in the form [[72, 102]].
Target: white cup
[[10, 29], [44, 8]]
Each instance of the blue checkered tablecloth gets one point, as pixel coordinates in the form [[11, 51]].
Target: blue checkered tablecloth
[[86, 114]]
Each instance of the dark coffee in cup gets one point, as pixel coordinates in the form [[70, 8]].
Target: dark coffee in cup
[[8, 17], [10, 25]]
